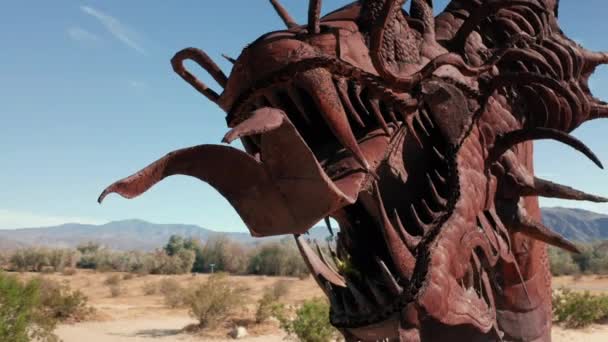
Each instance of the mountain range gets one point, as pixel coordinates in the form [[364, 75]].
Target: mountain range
[[574, 224]]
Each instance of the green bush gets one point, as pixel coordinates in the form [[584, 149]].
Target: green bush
[[214, 300], [311, 323], [21, 319], [577, 310]]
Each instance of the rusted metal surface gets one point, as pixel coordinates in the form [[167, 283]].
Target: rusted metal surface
[[414, 133]]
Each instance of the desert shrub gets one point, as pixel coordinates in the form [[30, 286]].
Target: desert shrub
[[278, 258], [214, 300], [561, 262], [149, 288], [88, 248], [30, 259], [115, 290], [128, 276], [174, 295], [61, 303], [311, 323], [21, 319], [577, 310], [269, 305], [113, 279]]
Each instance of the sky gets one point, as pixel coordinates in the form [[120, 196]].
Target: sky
[[87, 96]]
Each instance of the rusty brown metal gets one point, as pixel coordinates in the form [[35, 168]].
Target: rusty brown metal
[[417, 139]]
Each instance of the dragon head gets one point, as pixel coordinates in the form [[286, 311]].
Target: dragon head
[[413, 133]]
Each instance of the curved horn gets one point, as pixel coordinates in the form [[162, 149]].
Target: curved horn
[[202, 59], [508, 140]]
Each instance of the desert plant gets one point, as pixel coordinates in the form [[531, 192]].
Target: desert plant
[[69, 272], [269, 305], [173, 293], [149, 288], [214, 300], [59, 302], [115, 290], [113, 279], [21, 319], [277, 258], [577, 310], [311, 323]]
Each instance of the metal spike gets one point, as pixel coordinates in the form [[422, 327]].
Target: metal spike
[[438, 154], [324, 259], [229, 59], [428, 209], [282, 12], [410, 240], [342, 87], [508, 140], [316, 265], [314, 17], [357, 90], [403, 259], [422, 127], [545, 188], [323, 92], [414, 214], [389, 280], [525, 224], [375, 105], [436, 197]]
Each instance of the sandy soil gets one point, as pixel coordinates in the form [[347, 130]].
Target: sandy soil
[[134, 316]]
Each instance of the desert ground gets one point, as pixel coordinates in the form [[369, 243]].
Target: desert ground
[[133, 316]]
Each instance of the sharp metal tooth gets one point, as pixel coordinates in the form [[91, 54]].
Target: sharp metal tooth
[[342, 87], [325, 261], [422, 127], [410, 127], [436, 197], [425, 116], [440, 178], [414, 215], [410, 240], [357, 89], [323, 91], [391, 113], [295, 97], [360, 299], [375, 104], [376, 292], [438, 154], [390, 281], [403, 259], [428, 210], [317, 266]]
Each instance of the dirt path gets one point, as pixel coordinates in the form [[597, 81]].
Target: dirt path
[[135, 330]]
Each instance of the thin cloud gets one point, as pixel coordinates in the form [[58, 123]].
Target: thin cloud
[[119, 30], [137, 84], [81, 35], [12, 219]]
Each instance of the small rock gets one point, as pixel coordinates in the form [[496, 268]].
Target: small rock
[[238, 332]]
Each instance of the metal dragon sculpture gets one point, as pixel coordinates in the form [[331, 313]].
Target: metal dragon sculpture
[[415, 134]]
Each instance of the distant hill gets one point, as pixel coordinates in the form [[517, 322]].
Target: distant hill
[[574, 224], [577, 224], [120, 235]]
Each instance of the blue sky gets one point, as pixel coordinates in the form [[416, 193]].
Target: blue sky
[[87, 96]]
